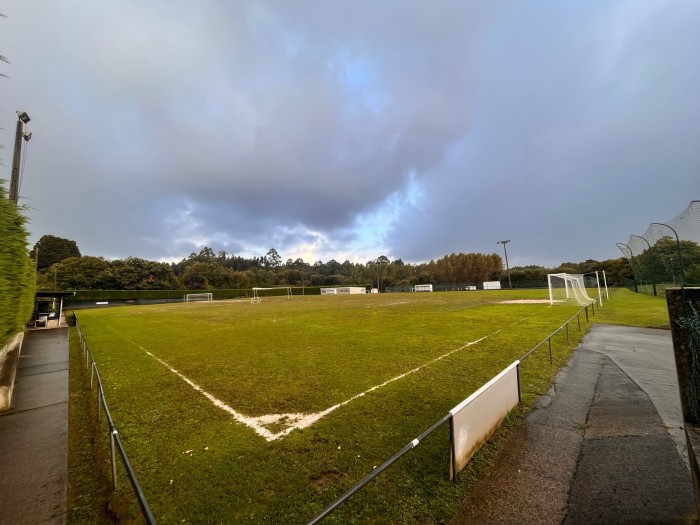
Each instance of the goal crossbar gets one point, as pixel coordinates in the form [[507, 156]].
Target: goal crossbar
[[192, 297], [567, 287], [256, 296]]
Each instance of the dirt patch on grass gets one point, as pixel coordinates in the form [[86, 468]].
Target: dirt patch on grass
[[324, 479]]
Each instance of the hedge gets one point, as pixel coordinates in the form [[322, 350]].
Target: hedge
[[85, 296], [17, 278]]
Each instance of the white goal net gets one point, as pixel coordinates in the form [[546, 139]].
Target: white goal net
[[192, 297], [568, 288]]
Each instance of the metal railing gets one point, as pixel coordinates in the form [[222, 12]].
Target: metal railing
[[115, 441], [414, 443]]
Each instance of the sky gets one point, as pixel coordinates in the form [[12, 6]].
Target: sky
[[352, 129]]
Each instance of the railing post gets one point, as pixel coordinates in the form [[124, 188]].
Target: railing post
[[550, 350], [586, 314], [578, 318], [99, 394], [92, 374], [112, 432], [567, 334]]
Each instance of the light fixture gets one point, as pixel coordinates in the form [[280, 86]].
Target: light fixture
[[23, 116]]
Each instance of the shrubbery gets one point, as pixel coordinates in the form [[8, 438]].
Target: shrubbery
[[16, 271]]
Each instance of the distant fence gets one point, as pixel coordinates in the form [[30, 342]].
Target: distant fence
[[508, 372], [114, 439]]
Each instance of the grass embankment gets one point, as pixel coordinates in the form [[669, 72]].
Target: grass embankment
[[197, 464]]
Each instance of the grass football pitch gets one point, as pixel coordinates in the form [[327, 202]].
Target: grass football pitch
[[233, 412]]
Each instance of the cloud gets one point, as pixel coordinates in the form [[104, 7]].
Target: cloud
[[334, 131]]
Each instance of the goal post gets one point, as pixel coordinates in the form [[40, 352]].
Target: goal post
[[567, 288], [195, 297], [256, 298]]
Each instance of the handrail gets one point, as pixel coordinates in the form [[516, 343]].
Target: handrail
[[114, 438]]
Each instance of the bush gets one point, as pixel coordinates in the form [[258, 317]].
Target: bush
[[16, 271]]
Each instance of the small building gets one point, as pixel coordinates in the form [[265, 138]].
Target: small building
[[423, 288], [492, 285], [343, 290], [48, 310]]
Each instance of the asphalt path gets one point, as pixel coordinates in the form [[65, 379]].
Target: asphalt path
[[34, 433], [605, 446]]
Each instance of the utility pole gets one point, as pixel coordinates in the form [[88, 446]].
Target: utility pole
[[22, 119], [510, 284]]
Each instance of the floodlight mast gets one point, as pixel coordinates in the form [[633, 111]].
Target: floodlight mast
[[22, 119], [510, 284]]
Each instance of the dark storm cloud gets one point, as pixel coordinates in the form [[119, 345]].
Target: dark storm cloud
[[338, 130]]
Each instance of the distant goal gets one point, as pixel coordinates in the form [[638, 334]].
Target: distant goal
[[198, 297], [568, 288], [258, 298]]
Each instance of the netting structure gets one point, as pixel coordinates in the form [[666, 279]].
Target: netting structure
[[667, 252], [568, 288]]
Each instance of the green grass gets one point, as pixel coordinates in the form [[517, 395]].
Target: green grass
[[196, 464]]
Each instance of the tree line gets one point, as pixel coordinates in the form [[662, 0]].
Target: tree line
[[60, 266]]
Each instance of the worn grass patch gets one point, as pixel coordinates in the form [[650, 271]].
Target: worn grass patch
[[197, 463]]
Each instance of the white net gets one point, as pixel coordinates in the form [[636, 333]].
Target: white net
[[192, 297], [568, 288], [667, 252]]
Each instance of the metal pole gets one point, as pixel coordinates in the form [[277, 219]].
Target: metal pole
[[678, 245], [510, 284], [651, 259], [112, 432], [631, 259], [22, 119], [16, 156]]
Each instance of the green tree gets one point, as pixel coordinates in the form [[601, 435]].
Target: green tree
[[82, 273], [273, 259], [52, 250]]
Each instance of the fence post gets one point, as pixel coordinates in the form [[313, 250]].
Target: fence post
[[586, 314], [99, 394], [112, 432], [578, 318], [567, 334], [550, 350], [92, 374]]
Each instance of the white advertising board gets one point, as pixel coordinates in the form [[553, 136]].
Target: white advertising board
[[474, 419]]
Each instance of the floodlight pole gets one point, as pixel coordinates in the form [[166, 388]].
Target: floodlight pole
[[22, 119], [510, 284], [634, 273], [678, 245], [651, 258]]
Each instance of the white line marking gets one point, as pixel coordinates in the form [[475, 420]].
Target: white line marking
[[297, 421], [293, 421]]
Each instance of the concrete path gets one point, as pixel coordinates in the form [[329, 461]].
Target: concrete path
[[607, 446], [34, 434]]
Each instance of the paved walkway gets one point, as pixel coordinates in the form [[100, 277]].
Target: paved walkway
[[607, 446], [34, 434]]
